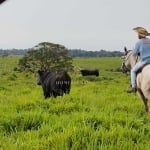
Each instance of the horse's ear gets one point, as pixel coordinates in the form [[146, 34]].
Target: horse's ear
[[125, 49]]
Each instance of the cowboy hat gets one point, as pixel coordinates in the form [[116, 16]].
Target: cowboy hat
[[141, 31]]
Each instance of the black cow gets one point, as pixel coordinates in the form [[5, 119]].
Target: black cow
[[86, 72], [54, 83]]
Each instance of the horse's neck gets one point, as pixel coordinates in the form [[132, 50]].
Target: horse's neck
[[134, 60]]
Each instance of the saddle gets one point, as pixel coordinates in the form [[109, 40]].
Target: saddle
[[140, 70]]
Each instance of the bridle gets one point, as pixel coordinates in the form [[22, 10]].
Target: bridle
[[124, 68]]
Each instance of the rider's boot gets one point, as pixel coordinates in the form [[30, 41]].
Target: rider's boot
[[132, 90]]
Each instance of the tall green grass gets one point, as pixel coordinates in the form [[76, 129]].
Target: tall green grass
[[97, 114]]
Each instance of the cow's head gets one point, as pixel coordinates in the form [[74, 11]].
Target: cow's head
[[41, 76]]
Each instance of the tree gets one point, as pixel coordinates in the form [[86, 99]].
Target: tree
[[45, 56]]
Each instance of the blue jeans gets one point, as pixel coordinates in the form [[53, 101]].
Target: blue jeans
[[134, 70]]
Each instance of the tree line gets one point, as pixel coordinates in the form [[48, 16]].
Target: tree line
[[51, 56], [101, 53], [71, 52]]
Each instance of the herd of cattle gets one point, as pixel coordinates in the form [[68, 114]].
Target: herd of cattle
[[58, 83]]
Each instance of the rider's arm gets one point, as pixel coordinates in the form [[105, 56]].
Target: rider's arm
[[136, 50]]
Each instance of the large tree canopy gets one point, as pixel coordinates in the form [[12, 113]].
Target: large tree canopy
[[46, 56]]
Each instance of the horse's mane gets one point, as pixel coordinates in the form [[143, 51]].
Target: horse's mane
[[128, 52]]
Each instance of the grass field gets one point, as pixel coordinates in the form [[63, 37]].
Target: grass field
[[97, 114]]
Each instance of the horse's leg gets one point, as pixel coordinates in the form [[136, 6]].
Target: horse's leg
[[145, 100]]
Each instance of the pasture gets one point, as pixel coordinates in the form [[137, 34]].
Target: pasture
[[97, 114]]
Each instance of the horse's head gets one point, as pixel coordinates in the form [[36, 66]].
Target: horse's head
[[127, 61]]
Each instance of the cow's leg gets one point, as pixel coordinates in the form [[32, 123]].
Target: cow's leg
[[46, 93], [145, 100], [57, 90], [55, 94], [60, 92]]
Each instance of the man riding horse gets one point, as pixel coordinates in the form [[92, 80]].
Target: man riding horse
[[142, 49]]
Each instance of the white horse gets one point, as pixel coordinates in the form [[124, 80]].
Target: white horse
[[142, 79]]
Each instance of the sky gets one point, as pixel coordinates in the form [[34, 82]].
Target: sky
[[77, 24]]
